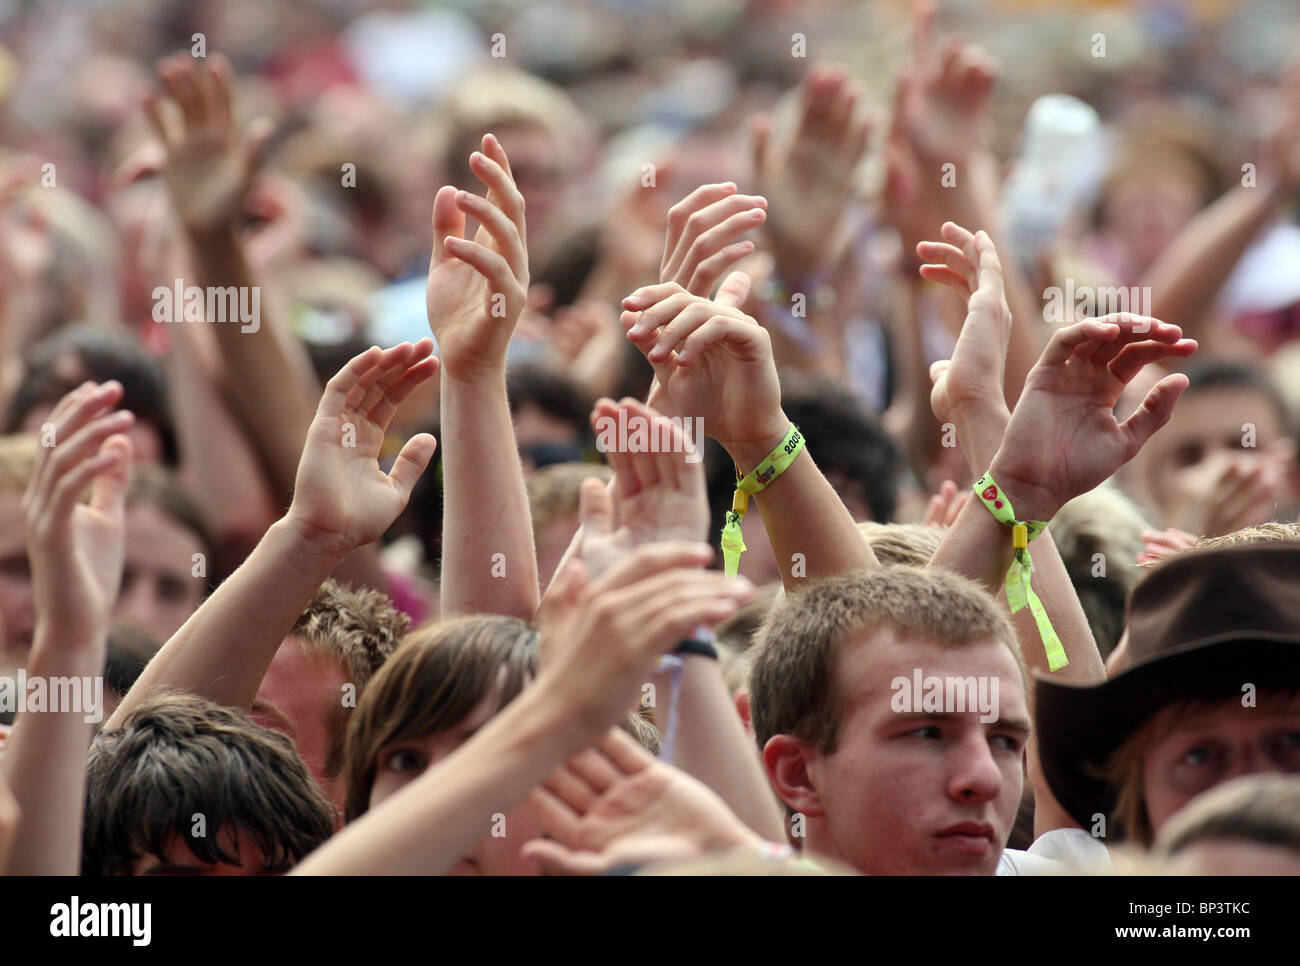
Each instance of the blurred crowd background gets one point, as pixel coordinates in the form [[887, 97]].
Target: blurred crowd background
[[611, 112]]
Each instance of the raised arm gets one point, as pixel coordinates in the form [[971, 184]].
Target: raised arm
[[476, 293], [210, 168], [1189, 274], [1062, 440], [604, 638], [342, 500], [659, 494], [943, 105], [76, 552], [714, 363]]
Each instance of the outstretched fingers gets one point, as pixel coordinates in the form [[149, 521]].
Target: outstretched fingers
[[1154, 412]]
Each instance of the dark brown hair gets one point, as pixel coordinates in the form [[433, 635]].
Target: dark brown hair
[[430, 684], [179, 756]]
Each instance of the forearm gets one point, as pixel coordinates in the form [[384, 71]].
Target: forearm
[[713, 747], [980, 431], [428, 825], [804, 516], [486, 520], [217, 463], [223, 651], [45, 757], [267, 385], [910, 417], [973, 201], [1186, 279]]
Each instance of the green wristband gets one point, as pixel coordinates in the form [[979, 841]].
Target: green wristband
[[1019, 591], [755, 481]]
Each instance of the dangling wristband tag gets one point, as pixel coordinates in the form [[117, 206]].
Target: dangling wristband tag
[[1019, 592], [755, 481]]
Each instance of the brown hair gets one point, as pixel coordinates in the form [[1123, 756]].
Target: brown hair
[[180, 755], [359, 629], [431, 683], [791, 683], [1125, 770]]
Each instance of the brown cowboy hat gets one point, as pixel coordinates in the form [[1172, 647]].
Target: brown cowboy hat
[[1201, 626]]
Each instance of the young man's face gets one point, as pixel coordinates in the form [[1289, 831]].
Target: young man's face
[[1206, 430], [920, 793], [401, 762], [1216, 745], [302, 696], [159, 591]]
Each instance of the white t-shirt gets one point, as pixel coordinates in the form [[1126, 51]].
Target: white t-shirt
[[1062, 851]]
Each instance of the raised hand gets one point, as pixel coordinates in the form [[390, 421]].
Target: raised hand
[[477, 289], [602, 637], [210, 163], [657, 493], [1063, 438], [1228, 491], [944, 506], [341, 494], [810, 181], [711, 361], [1158, 544], [77, 550], [615, 805], [972, 380], [703, 229], [943, 104]]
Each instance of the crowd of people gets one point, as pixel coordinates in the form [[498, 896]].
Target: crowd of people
[[350, 524]]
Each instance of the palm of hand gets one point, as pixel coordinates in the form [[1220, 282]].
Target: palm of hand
[[340, 488], [93, 573], [459, 305], [975, 372], [807, 193], [208, 178], [1064, 434], [944, 121], [650, 805]]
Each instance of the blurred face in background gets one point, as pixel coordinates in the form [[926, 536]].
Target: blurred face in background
[[17, 609], [159, 587]]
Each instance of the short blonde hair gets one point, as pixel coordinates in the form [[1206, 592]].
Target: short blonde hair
[[554, 491], [1255, 808], [791, 683], [1259, 533], [902, 543], [18, 453]]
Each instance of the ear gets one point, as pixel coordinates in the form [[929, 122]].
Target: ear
[[788, 763], [741, 697]]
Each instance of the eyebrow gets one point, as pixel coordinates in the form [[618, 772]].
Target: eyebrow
[[275, 713], [1006, 722]]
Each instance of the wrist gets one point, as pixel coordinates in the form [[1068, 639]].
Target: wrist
[[1030, 499], [748, 453], [980, 428], [472, 376], [313, 548]]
